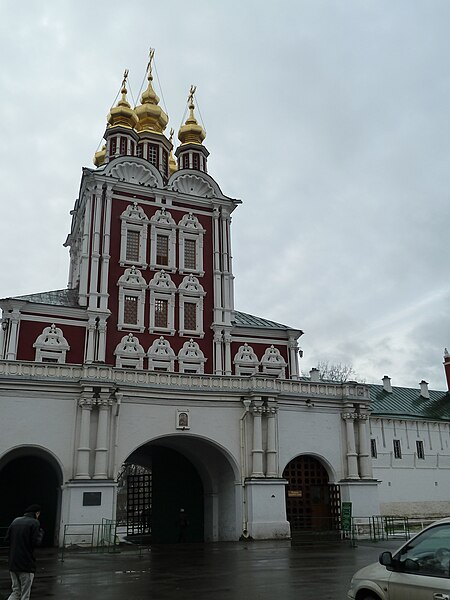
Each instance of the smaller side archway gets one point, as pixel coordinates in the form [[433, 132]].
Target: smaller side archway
[[312, 501], [31, 475]]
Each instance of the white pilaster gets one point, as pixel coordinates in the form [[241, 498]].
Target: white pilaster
[[218, 366], [227, 350], [84, 449], [101, 449], [352, 456], [257, 449], [84, 262], [14, 320], [365, 463], [271, 452], [106, 250]]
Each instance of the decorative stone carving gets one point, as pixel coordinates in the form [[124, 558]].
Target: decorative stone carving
[[245, 361], [129, 353], [162, 282], [133, 172], [134, 213], [51, 345], [273, 363], [190, 358], [162, 218], [161, 356], [132, 278], [193, 185]]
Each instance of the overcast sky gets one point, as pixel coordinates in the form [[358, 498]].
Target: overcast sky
[[330, 120]]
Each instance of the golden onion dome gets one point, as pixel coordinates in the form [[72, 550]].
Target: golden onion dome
[[99, 156], [191, 132], [122, 114], [151, 116]]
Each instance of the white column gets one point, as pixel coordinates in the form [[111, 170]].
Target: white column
[[293, 358], [227, 343], [352, 456], [105, 250], [225, 267], [14, 320], [84, 261], [95, 254], [218, 366], [271, 452], [84, 449], [101, 449], [257, 449], [91, 333], [4, 324], [218, 318], [101, 345], [365, 462]]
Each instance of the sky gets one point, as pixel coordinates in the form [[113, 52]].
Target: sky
[[329, 119]]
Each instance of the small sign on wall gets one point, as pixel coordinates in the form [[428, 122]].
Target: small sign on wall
[[346, 516], [182, 419], [92, 498]]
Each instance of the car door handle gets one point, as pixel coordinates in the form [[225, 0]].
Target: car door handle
[[441, 597]]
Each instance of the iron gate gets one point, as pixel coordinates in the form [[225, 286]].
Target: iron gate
[[139, 504]]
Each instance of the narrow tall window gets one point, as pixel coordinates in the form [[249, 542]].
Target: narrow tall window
[[153, 154], [195, 161], [139, 150], [190, 316], [420, 449], [132, 253], [373, 448], [397, 449], [162, 250], [165, 162], [113, 146], [123, 145], [161, 312], [185, 161], [130, 312], [190, 254]]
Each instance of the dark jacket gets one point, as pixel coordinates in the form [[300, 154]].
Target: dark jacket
[[23, 535]]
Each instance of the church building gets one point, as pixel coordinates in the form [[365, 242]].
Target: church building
[[139, 389]]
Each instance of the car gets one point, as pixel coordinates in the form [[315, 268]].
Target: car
[[419, 570]]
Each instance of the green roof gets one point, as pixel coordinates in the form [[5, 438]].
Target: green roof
[[407, 402], [67, 297], [245, 320]]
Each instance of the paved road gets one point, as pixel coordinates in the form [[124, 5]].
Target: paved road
[[226, 571]]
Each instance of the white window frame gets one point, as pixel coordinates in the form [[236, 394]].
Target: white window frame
[[162, 224], [158, 362], [191, 291], [129, 353], [51, 344], [133, 219], [245, 361], [273, 363], [190, 229], [192, 365], [131, 283], [162, 288]]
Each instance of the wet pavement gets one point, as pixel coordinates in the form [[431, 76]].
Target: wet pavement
[[223, 571]]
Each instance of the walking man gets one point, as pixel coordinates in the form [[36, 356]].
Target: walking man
[[23, 535]]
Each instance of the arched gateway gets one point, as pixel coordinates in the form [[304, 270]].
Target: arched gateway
[[31, 475], [312, 502], [171, 473]]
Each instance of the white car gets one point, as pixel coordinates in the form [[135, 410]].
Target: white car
[[419, 570]]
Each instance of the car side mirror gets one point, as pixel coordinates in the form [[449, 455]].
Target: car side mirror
[[386, 559]]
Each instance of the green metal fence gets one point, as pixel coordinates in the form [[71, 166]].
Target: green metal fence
[[93, 537]]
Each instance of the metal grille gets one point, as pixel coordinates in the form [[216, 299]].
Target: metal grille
[[132, 245], [139, 503], [161, 311], [190, 257], [153, 154], [130, 310], [162, 250], [190, 316]]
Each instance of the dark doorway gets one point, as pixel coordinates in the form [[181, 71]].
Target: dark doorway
[[26, 480], [174, 484], [310, 500]]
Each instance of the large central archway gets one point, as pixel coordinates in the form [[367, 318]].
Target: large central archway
[[173, 473], [31, 475]]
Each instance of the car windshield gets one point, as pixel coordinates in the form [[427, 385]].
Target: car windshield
[[428, 553]]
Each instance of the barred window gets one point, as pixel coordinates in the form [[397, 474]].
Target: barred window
[[113, 146], [130, 311], [190, 316], [139, 150], [397, 449], [132, 253], [165, 160], [161, 312], [123, 145], [196, 161], [420, 449], [162, 250], [190, 254], [153, 154], [373, 448], [185, 161]]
